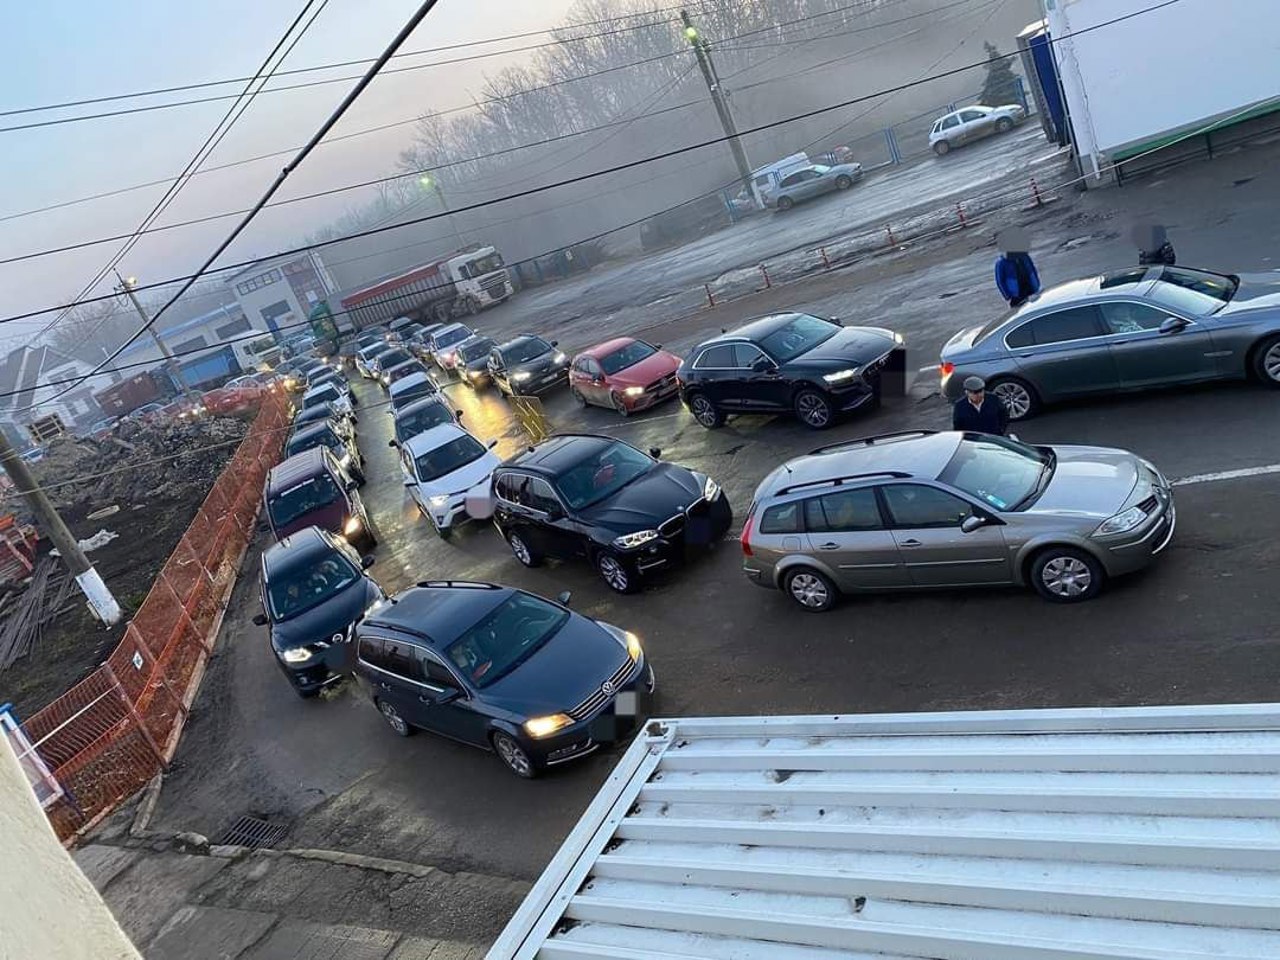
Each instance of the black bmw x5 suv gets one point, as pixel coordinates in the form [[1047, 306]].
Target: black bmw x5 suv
[[793, 362]]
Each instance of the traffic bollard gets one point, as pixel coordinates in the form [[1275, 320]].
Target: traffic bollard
[[960, 214], [825, 262], [889, 230], [765, 274], [711, 297]]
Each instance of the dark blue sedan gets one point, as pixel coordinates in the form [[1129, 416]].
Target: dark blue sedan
[[503, 670]]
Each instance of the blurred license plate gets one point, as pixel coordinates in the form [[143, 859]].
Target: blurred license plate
[[625, 704]]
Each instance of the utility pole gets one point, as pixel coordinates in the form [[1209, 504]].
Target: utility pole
[[433, 183], [101, 602], [702, 49], [126, 285]]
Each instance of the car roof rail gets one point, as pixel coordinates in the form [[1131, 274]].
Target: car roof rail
[[872, 440], [459, 584], [840, 481]]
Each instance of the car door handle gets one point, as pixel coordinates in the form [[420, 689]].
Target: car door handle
[[828, 546], [909, 543], [1119, 341]]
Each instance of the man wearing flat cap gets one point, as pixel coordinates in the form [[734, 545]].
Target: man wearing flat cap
[[979, 412]]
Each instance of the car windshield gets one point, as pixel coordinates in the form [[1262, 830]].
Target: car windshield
[[297, 591], [820, 168], [627, 356], [442, 461], [799, 335], [450, 337], [414, 422], [524, 349], [327, 395], [1002, 473], [505, 638], [288, 505], [474, 351], [393, 357], [415, 391], [486, 265], [1193, 291], [602, 474], [309, 441]]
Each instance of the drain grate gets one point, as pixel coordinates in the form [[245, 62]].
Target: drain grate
[[252, 832]]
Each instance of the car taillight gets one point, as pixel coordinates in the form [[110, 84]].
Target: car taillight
[[946, 368], [745, 539]]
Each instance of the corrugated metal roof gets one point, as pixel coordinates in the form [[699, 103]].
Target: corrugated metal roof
[[1095, 834]]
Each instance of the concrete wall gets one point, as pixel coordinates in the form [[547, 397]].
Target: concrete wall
[[48, 909], [1167, 71]]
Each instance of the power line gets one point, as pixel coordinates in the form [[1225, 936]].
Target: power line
[[818, 111]]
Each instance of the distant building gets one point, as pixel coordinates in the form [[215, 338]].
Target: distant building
[[278, 294], [209, 348], [29, 384]]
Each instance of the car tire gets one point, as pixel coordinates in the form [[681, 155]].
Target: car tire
[[814, 409], [1066, 575], [620, 576], [513, 756], [307, 694], [578, 397], [785, 203], [1004, 125], [843, 183], [619, 405], [444, 533], [942, 148], [705, 412], [1018, 397], [810, 590], [1266, 361], [521, 550], [398, 724]]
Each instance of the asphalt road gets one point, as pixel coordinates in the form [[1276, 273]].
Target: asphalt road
[[1197, 627]]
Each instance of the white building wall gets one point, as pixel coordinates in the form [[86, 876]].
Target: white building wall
[[1167, 71], [48, 909]]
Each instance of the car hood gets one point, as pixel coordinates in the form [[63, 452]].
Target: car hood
[[568, 669], [539, 364], [1257, 291], [1089, 482], [330, 617], [649, 369], [642, 504], [460, 481], [859, 345]]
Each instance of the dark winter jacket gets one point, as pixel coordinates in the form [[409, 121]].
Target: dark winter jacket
[[1016, 277], [991, 417]]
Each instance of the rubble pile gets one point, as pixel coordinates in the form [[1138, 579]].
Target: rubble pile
[[140, 463]]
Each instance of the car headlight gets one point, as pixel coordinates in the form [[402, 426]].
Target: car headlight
[[628, 640], [352, 526], [561, 358], [522, 375], [710, 489], [897, 338], [840, 376], [634, 650], [439, 500], [346, 459], [297, 654], [634, 391], [1122, 522], [629, 541], [539, 727]]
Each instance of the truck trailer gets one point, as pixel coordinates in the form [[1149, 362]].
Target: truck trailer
[[459, 285]]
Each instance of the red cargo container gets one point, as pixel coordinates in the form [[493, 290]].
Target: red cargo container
[[421, 293], [127, 395]]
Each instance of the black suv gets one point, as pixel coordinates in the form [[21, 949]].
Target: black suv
[[313, 589], [527, 365], [786, 362], [627, 512], [503, 670]]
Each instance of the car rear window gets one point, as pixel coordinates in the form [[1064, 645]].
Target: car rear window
[[451, 337]]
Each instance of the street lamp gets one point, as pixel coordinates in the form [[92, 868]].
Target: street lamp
[[429, 182]]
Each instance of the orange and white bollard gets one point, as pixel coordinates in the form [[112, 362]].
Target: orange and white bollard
[[765, 273]]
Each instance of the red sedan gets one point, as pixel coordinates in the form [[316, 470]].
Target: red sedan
[[625, 374]]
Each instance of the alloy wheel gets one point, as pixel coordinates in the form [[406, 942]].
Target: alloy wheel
[[1015, 397], [1066, 577], [513, 756], [704, 411], [1271, 362], [578, 397], [614, 573], [619, 405], [809, 590], [521, 550], [394, 720], [813, 409]]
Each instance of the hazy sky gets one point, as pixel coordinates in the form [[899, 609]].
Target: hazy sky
[[77, 49]]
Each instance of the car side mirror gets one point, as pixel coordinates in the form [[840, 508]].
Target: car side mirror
[[367, 561], [555, 343], [351, 485], [763, 365], [264, 527], [1173, 325], [408, 481], [564, 597], [972, 524], [393, 443], [447, 695], [655, 452], [492, 443], [458, 414], [554, 513], [260, 620]]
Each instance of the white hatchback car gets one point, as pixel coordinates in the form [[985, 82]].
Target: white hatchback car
[[973, 123], [408, 389], [440, 466]]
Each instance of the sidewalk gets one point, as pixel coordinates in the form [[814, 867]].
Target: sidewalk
[[233, 903]]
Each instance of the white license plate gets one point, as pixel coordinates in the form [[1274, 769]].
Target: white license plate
[[625, 704]]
